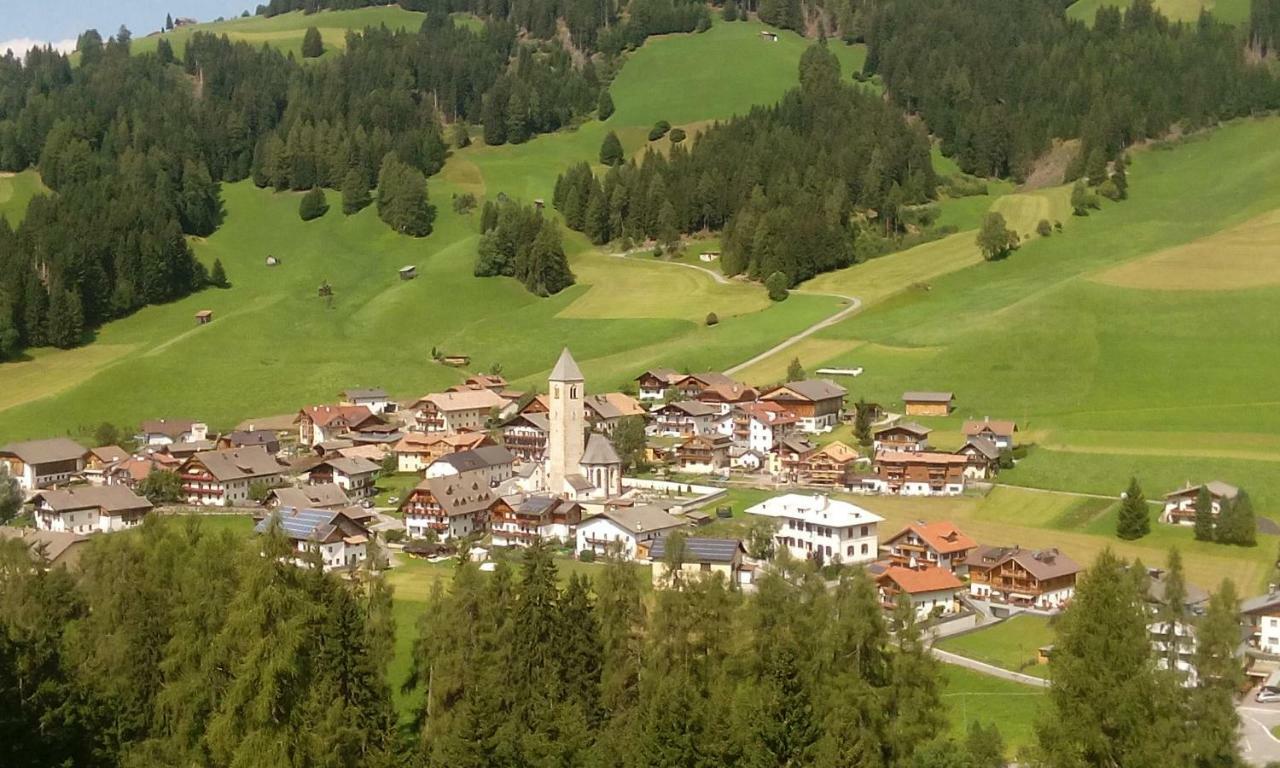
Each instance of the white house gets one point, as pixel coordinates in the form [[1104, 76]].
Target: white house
[[932, 591], [89, 509], [341, 541], [1262, 618], [447, 508], [1175, 642], [170, 431], [628, 531], [761, 426], [452, 412], [357, 477], [519, 520], [42, 463], [822, 528], [223, 478], [685, 418], [376, 400], [1180, 506]]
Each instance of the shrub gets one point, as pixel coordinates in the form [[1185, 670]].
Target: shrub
[[659, 130], [394, 535], [777, 286], [677, 135], [730, 11], [611, 150], [1044, 228], [464, 203], [1109, 190], [587, 556], [313, 205], [712, 319]]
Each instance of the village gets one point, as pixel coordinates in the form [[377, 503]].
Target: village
[[641, 476]]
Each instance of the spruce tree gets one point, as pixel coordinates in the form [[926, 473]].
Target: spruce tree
[[1204, 521], [604, 105], [1120, 178], [914, 695], [313, 205], [776, 284], [355, 192], [1134, 521], [1214, 740], [1237, 523], [218, 276], [312, 44], [862, 423], [795, 371], [611, 150], [1172, 611]]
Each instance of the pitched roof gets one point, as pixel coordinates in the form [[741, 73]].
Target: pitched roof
[[730, 392], [374, 452], [315, 496], [982, 445], [173, 428], [323, 415], [920, 457], [350, 465], [599, 451], [797, 445], [241, 437], [467, 400], [1041, 563], [238, 463], [661, 374], [454, 496], [639, 519], [281, 423], [710, 379], [915, 581], [942, 537], [996, 426], [918, 430], [359, 393], [812, 389], [58, 546], [693, 407], [108, 498], [110, 454], [768, 412], [316, 525], [699, 549], [602, 407], [566, 368], [927, 397], [838, 451], [45, 451], [485, 457], [1216, 488], [1260, 603], [824, 509], [536, 420]]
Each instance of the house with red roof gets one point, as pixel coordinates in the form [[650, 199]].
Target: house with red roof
[[932, 591], [940, 544]]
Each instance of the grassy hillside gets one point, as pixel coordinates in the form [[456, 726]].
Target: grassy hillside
[[1114, 369], [274, 345], [16, 190], [1230, 11], [286, 30]]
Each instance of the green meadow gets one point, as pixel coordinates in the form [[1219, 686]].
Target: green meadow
[[1230, 11], [16, 190], [1012, 644], [972, 697]]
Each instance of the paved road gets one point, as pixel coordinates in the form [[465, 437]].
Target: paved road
[[853, 306], [987, 669]]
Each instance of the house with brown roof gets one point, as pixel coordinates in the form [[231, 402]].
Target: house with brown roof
[[923, 473], [49, 548], [489, 466], [490, 381], [1044, 578], [788, 458], [321, 423], [99, 461], [700, 558], [169, 431], [223, 478], [691, 386], [1180, 505], [817, 403], [375, 399], [982, 457], [653, 383], [727, 394], [525, 435], [932, 591], [627, 530], [357, 477], [928, 403], [248, 438], [43, 463], [684, 418], [703, 454], [88, 509], [454, 412], [939, 544], [325, 496], [998, 431], [605, 411], [418, 449], [827, 466], [338, 541], [519, 520], [448, 508], [901, 436]]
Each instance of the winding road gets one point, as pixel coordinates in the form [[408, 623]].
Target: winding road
[[853, 305]]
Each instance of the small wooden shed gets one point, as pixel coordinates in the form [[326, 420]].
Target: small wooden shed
[[457, 361], [204, 317], [408, 272]]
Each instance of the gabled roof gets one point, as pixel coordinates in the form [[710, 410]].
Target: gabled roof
[[110, 454], [664, 375], [172, 428], [108, 498], [995, 426], [838, 451], [729, 392], [566, 368], [817, 508], [640, 519], [916, 581], [599, 451], [1269, 603], [60, 547], [1216, 488], [693, 408], [699, 549], [768, 412], [314, 496], [282, 423], [349, 466], [942, 537], [323, 415], [1040, 563], [536, 420], [709, 379], [237, 463], [602, 408], [921, 457], [320, 526], [810, 389], [454, 496], [466, 400], [481, 458], [927, 397], [45, 451], [918, 430], [263, 437], [797, 445], [982, 445]]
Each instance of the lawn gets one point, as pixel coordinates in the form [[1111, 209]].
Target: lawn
[[397, 485], [274, 345], [285, 31], [1230, 11], [1010, 644], [16, 190], [974, 697]]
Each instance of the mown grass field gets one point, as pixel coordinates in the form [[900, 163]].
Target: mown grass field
[[1011, 644], [974, 697], [1230, 11], [275, 345], [286, 30], [16, 190]]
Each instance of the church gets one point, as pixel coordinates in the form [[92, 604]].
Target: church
[[576, 466]]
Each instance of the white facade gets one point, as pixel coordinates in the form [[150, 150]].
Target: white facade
[[818, 526], [1269, 632], [338, 554], [566, 421], [600, 534], [1049, 600], [925, 603], [214, 493], [418, 526]]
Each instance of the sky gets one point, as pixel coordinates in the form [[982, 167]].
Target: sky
[[24, 23]]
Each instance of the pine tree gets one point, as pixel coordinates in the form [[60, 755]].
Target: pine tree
[[218, 276], [914, 695], [1204, 527], [604, 105], [862, 422], [611, 150], [66, 318], [1237, 523], [1134, 521], [402, 198], [1095, 167], [11, 496], [985, 746], [355, 192], [1214, 740], [1120, 178], [168, 21], [312, 44], [1172, 611], [795, 371], [776, 284], [1080, 199], [460, 134], [313, 205]]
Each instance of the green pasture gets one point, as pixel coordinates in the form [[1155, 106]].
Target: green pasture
[[1011, 644], [1230, 11], [974, 697], [16, 190]]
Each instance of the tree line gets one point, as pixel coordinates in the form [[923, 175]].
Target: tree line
[[518, 242], [998, 81], [792, 186]]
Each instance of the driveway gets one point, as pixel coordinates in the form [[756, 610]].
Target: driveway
[[1257, 744]]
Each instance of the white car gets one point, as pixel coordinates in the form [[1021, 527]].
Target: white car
[[1267, 695]]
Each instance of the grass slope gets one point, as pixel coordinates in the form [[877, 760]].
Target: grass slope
[[1230, 11], [16, 190], [974, 697], [274, 345], [1010, 644]]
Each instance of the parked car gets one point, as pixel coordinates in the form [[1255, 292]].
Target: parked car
[[393, 500], [367, 504], [1267, 695]]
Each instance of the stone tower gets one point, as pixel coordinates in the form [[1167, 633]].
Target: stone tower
[[566, 419]]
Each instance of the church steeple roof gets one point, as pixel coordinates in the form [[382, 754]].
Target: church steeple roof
[[566, 369]]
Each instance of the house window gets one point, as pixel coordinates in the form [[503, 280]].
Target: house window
[[864, 530], [850, 551], [864, 549], [705, 567]]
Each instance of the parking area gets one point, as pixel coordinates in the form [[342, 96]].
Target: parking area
[[1258, 745]]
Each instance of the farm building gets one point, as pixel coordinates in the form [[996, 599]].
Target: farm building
[[928, 403], [408, 272], [204, 317]]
